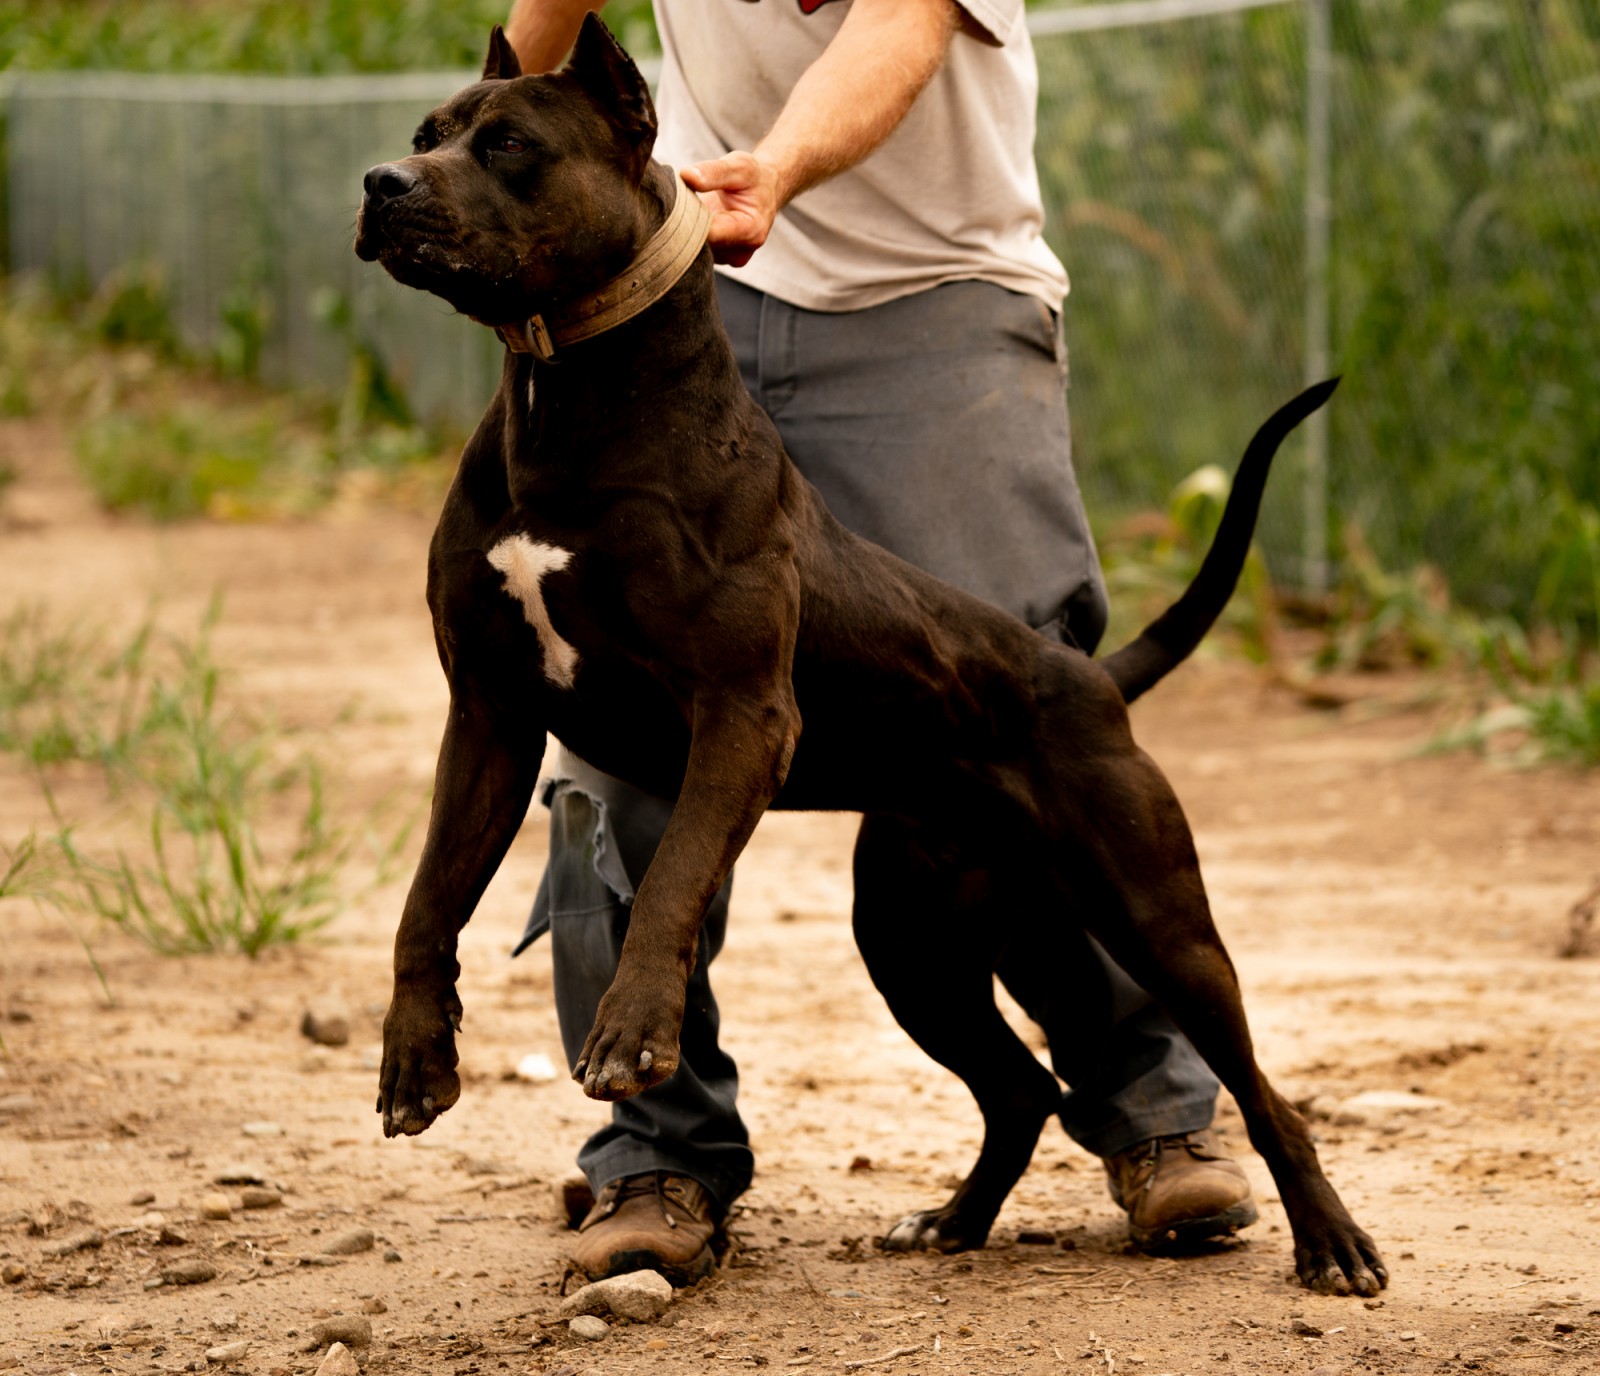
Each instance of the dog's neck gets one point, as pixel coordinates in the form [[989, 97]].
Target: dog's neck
[[655, 269]]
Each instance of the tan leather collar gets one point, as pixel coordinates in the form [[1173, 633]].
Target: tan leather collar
[[661, 262]]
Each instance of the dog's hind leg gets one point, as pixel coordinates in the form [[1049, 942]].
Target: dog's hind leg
[[1125, 842], [931, 931]]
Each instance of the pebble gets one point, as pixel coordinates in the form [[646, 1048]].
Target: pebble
[[536, 1069], [189, 1271], [171, 1237], [391, 1255], [228, 1352], [589, 1328], [340, 1361], [374, 1305], [326, 1026], [143, 1197], [240, 1174], [16, 1103], [639, 1295], [1376, 1105], [348, 1243], [216, 1207], [13, 1273], [263, 1129], [255, 1197], [350, 1329], [153, 1220], [1301, 1329], [223, 1321]]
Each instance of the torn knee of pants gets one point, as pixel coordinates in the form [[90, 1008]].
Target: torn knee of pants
[[586, 872]]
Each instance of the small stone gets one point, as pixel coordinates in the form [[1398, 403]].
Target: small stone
[[256, 1197], [350, 1329], [373, 1305], [1036, 1237], [142, 1197], [13, 1273], [223, 1321], [482, 1165], [216, 1207], [1409, 1337], [1377, 1105], [589, 1328], [189, 1271], [263, 1129], [391, 1255], [340, 1361], [152, 1220], [326, 1026], [228, 1352], [536, 1069], [171, 1237], [348, 1243], [657, 1345], [641, 1296], [240, 1174], [16, 1103], [1301, 1329]]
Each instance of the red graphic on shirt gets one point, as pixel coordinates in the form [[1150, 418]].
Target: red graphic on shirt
[[812, 6]]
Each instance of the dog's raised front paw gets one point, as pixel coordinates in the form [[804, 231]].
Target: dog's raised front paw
[[1340, 1260], [633, 1045], [933, 1230], [417, 1080]]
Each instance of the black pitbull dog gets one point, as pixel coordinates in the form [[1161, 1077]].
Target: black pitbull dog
[[628, 560]]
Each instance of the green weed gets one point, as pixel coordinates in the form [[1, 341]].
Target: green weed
[[236, 848]]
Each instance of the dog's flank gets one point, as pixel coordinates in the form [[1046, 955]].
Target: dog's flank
[[646, 522]]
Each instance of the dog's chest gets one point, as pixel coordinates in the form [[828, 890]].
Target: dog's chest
[[525, 564]]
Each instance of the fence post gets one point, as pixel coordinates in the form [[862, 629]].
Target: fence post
[[1319, 209]]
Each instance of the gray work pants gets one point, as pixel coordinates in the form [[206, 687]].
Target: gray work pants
[[935, 425]]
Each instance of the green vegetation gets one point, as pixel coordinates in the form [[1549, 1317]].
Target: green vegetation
[[235, 851], [1465, 273], [160, 432], [267, 35]]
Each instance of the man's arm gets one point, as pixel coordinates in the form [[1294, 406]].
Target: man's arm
[[543, 31], [847, 103]]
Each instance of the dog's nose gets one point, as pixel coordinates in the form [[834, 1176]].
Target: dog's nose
[[388, 181]]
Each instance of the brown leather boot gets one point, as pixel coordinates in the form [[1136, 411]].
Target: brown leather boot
[[1179, 1192], [650, 1222]]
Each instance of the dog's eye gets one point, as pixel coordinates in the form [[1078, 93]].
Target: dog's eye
[[510, 143]]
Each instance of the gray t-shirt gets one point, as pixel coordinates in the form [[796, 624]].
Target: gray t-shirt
[[952, 194]]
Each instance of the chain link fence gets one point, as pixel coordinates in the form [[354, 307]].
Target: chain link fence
[[1245, 193]]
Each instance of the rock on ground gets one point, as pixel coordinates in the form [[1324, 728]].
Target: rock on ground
[[642, 1296], [350, 1330], [588, 1327], [228, 1353], [340, 1361], [349, 1242]]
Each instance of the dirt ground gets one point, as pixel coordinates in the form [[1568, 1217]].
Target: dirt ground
[[1395, 919]]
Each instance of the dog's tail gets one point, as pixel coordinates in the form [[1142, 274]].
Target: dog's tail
[[1168, 640]]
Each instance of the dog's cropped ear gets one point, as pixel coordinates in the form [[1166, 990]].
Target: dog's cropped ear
[[502, 63], [606, 72]]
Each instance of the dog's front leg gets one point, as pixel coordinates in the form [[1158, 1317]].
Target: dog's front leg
[[741, 746], [488, 764]]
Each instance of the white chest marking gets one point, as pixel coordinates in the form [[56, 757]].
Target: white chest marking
[[524, 563]]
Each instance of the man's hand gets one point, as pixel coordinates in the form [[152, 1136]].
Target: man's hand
[[744, 196]]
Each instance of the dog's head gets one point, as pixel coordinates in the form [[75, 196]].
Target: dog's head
[[522, 191]]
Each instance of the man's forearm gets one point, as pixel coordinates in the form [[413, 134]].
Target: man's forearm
[[855, 94], [543, 31]]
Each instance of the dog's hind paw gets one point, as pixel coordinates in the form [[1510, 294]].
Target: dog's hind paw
[[932, 1230], [1345, 1262]]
